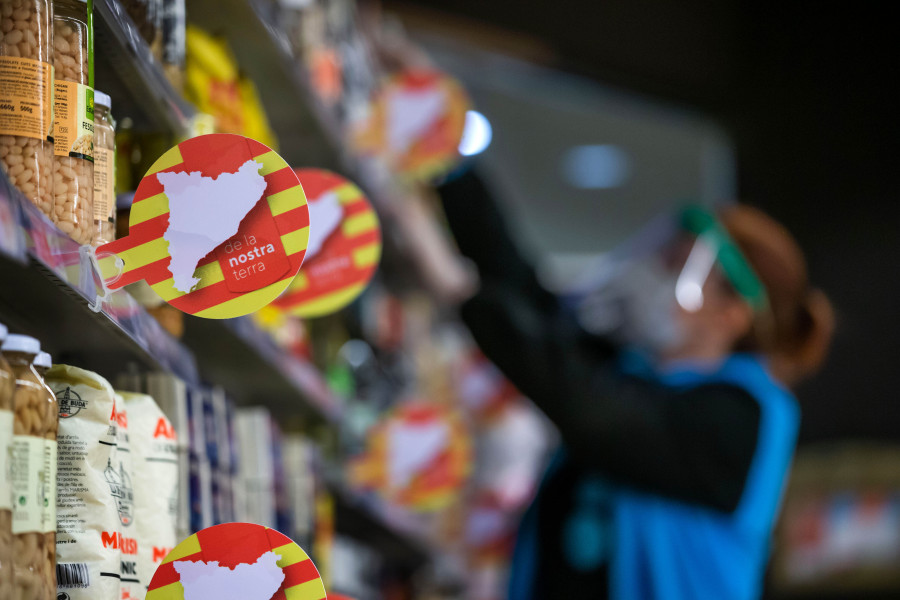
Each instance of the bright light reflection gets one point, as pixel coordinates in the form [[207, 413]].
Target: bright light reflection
[[477, 134], [689, 295]]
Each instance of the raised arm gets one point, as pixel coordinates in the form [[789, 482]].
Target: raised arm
[[482, 235], [695, 445]]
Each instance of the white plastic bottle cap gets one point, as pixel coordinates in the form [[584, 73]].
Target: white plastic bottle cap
[[43, 360], [3, 332], [102, 99], [21, 343]]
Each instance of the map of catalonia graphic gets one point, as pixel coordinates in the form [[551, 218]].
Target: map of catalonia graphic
[[256, 581], [204, 212]]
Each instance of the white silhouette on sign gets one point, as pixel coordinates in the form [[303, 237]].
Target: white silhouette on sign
[[325, 214], [257, 581], [204, 212], [411, 114], [413, 447]]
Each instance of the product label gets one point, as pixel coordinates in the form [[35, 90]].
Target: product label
[[28, 484], [86, 540], [73, 130], [26, 97], [6, 438], [49, 500], [104, 184]]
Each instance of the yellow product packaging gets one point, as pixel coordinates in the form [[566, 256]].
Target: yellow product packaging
[[256, 124]]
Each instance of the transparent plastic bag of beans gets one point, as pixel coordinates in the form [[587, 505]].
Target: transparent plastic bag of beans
[[26, 87], [73, 171]]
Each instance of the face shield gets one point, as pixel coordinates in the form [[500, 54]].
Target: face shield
[[634, 293]]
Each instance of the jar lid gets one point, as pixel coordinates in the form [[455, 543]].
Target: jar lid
[[3, 332], [102, 99], [21, 343], [43, 360]]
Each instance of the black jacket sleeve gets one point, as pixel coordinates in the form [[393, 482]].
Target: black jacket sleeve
[[482, 235], [696, 446]]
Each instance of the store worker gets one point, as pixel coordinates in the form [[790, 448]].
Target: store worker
[[668, 380]]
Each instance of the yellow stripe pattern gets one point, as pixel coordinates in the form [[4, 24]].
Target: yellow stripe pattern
[[173, 591], [230, 308], [290, 554], [271, 162], [328, 303], [209, 274], [311, 590], [295, 241], [366, 256], [347, 193], [148, 208], [143, 255], [166, 161], [361, 223], [186, 548], [285, 200]]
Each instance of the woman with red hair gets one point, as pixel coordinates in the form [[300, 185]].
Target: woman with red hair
[[677, 422]]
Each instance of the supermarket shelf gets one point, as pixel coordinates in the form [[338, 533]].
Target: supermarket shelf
[[46, 292], [246, 361], [306, 137], [364, 517], [310, 133], [126, 69]]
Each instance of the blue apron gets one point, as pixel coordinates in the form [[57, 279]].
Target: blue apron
[[664, 548]]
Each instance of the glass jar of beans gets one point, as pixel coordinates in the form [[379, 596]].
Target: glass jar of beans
[[73, 171], [26, 98], [7, 391], [104, 171], [33, 574]]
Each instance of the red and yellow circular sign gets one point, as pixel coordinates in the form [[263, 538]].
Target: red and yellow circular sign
[[219, 227], [419, 456], [416, 123], [483, 389], [236, 557], [344, 247]]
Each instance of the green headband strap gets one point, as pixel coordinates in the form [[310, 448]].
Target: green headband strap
[[703, 223]]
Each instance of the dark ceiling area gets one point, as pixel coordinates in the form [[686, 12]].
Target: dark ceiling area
[[806, 92]]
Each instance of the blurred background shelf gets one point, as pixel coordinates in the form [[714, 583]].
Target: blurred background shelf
[[126, 69], [48, 295], [307, 136], [51, 298], [237, 355], [45, 305], [363, 517], [41, 294]]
